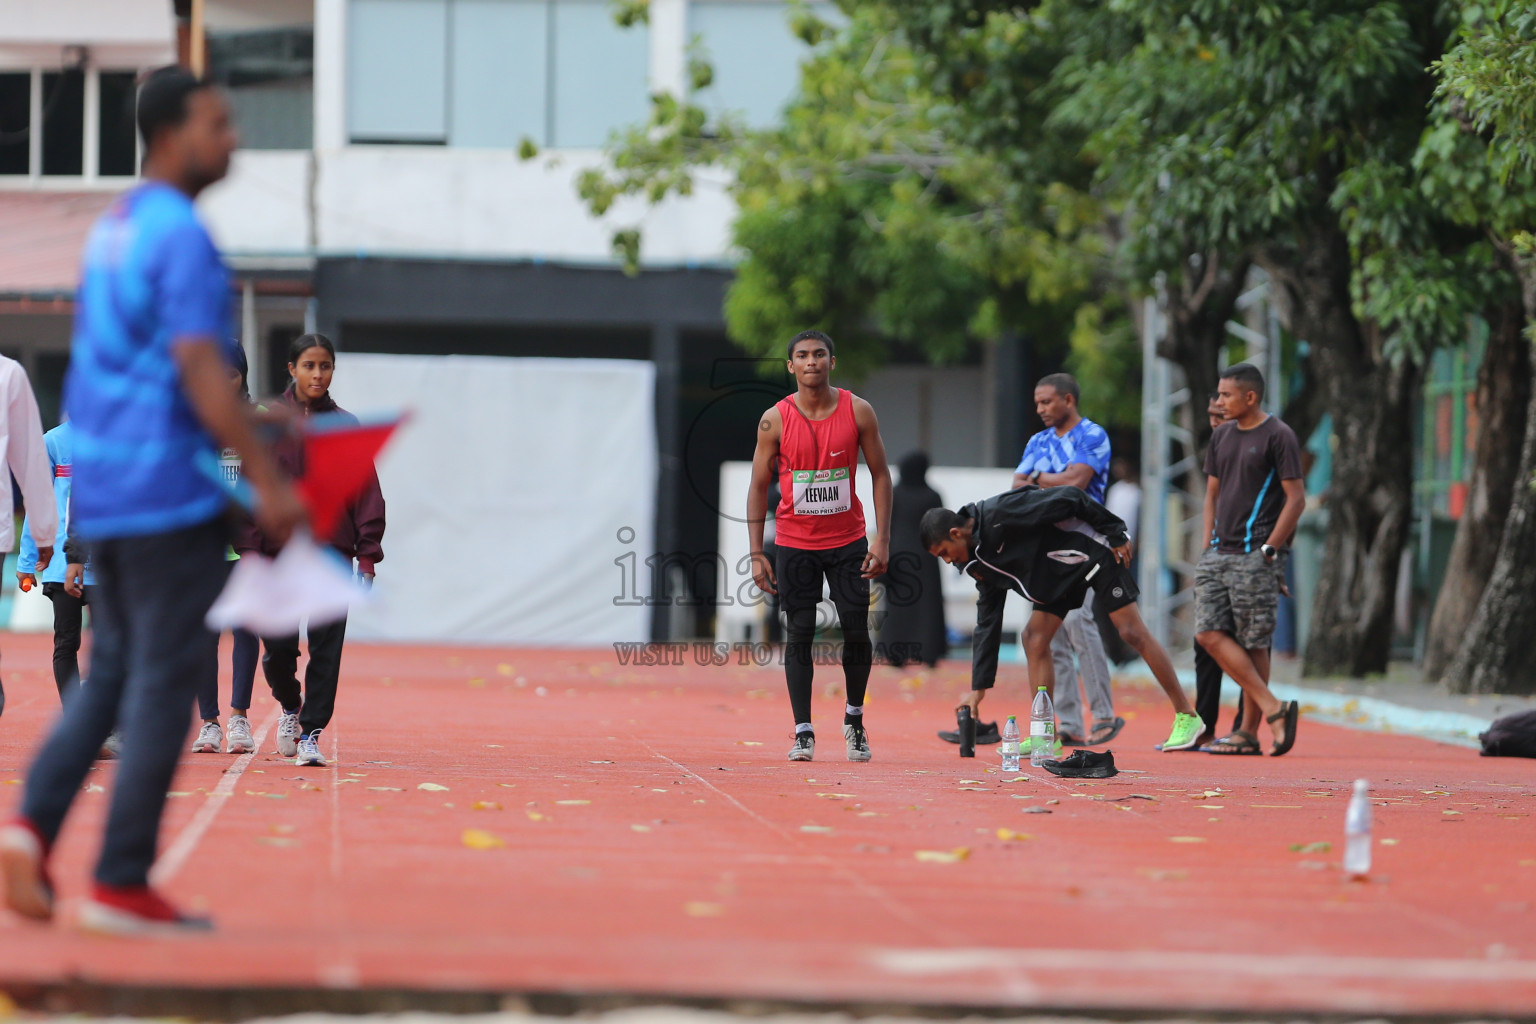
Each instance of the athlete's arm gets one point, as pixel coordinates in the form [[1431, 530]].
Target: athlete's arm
[[1077, 475], [1208, 516], [984, 644], [873, 447], [1295, 502], [764, 458]]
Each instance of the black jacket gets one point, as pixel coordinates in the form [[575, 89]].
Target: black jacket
[[1010, 544]]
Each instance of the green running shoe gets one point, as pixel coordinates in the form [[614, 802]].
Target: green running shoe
[[1186, 729]]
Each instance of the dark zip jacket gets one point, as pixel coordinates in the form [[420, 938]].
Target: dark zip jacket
[[1011, 541], [360, 531]]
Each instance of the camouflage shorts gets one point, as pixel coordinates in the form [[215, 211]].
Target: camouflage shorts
[[1238, 594]]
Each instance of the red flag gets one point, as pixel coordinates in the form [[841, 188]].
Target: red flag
[[338, 463]]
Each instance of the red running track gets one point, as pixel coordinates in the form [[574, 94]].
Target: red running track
[[643, 836]]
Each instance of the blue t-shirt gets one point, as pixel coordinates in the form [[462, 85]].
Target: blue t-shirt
[[60, 457], [150, 278], [1086, 443]]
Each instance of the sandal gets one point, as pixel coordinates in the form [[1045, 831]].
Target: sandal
[[1113, 726], [1236, 744], [1290, 712]]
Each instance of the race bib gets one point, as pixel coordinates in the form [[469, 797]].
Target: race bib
[[822, 492]]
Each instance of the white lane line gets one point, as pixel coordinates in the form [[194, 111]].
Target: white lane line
[[929, 962], [176, 855], [892, 905]]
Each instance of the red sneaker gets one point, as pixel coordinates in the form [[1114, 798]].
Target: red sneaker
[[135, 910], [24, 866]]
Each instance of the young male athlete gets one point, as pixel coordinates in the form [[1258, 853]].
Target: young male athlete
[[1051, 546], [811, 441]]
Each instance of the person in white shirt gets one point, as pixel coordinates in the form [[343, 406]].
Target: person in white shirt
[[21, 442]]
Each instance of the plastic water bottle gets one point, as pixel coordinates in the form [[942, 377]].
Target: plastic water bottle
[[1042, 729], [1011, 745], [1357, 832]]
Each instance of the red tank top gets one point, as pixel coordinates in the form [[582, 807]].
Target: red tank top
[[818, 509]]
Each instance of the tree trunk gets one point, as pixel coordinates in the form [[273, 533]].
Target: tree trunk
[[1370, 497], [1197, 328], [1503, 391], [1498, 651]]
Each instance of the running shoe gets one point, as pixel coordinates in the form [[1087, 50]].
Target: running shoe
[[804, 748], [288, 732], [1084, 764], [858, 742], [239, 736], [1186, 732], [209, 738], [309, 751], [134, 910], [24, 867]]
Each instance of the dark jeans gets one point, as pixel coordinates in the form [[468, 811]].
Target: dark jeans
[[280, 664], [243, 663], [68, 615], [151, 647], [800, 572]]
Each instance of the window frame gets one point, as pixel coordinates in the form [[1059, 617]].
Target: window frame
[[91, 176]]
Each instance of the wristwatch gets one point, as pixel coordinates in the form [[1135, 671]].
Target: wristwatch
[[1268, 551]]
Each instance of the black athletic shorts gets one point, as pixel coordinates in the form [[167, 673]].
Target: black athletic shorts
[[1114, 586]]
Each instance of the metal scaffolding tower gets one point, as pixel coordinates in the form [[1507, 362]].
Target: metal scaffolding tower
[[1169, 540]]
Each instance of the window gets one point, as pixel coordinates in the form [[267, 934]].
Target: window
[[500, 69], [755, 57], [16, 122], [269, 77], [117, 135], [57, 104], [490, 73], [602, 74], [397, 85], [63, 122]]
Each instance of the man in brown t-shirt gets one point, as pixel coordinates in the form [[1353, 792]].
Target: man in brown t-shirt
[[1253, 498]]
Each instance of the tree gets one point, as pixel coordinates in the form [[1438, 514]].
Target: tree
[[1281, 131], [863, 214], [1489, 79]]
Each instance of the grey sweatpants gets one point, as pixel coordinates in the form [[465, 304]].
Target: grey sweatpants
[[1079, 635]]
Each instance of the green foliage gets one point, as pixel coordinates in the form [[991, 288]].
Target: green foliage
[[864, 212], [1491, 75]]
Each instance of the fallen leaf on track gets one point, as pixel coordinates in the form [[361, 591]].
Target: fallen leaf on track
[[1186, 839], [386, 789], [478, 839], [432, 787], [573, 803], [819, 829], [1009, 835], [485, 805], [1311, 847], [954, 856]]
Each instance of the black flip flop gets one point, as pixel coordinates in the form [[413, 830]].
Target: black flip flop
[[1235, 744], [1290, 711], [1115, 726]]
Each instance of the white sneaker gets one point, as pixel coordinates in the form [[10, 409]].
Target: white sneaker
[[209, 738], [309, 751], [239, 738], [288, 734], [804, 748], [858, 742]]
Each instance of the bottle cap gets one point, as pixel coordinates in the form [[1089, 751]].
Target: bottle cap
[[1361, 785], [1042, 689], [1011, 718]]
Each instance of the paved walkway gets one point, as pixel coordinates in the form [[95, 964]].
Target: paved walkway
[[552, 823]]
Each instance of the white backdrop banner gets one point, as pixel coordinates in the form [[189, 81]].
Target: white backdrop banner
[[509, 495]]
